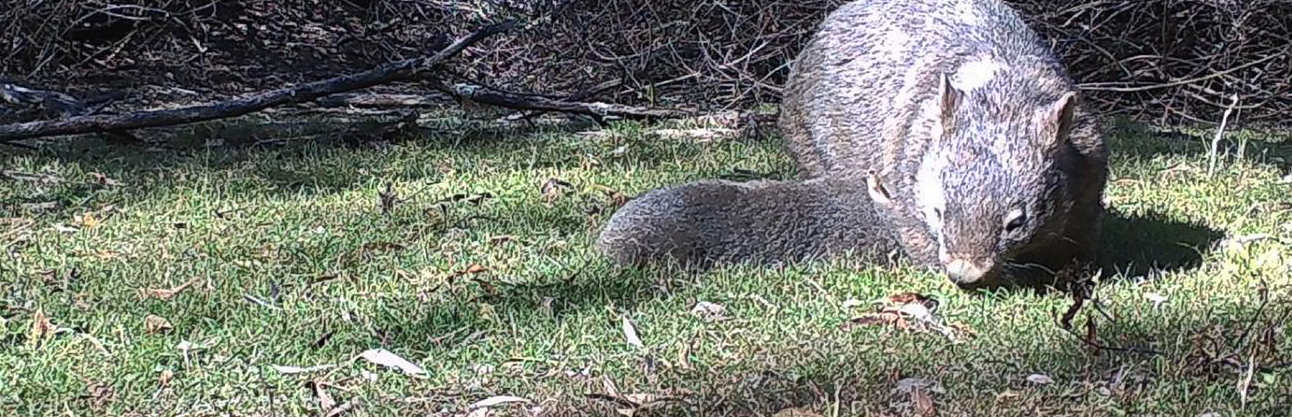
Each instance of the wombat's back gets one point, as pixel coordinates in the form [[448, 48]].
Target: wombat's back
[[863, 92]]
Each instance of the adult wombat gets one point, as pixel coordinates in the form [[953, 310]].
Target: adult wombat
[[706, 222], [950, 115], [964, 128]]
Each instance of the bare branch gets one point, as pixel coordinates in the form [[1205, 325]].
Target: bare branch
[[409, 69], [531, 102]]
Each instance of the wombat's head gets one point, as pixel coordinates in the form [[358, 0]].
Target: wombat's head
[[995, 180]]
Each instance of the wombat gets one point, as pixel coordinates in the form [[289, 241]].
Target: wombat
[[709, 222], [965, 130]]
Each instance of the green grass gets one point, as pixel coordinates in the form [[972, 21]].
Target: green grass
[[302, 228]]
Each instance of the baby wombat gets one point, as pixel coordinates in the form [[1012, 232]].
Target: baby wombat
[[964, 128], [707, 222]]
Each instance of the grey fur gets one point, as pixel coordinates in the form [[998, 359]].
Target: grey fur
[[868, 94], [945, 125], [703, 223]]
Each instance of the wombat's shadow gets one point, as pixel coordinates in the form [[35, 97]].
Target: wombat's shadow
[[1136, 245]]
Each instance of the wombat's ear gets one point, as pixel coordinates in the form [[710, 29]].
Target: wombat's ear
[[1058, 116], [876, 189], [950, 99]]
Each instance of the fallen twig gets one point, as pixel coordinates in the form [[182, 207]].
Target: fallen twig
[[531, 102]]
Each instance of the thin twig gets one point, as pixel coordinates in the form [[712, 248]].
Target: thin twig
[[1215, 142], [531, 102]]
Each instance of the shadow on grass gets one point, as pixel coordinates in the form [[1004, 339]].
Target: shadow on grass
[[316, 157], [1141, 244], [1132, 139]]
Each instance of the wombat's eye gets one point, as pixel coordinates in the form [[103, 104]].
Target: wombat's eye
[[1015, 220], [938, 212]]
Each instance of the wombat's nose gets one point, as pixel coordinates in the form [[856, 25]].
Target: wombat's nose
[[964, 272]]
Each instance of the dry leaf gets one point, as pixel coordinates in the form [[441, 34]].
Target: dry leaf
[[496, 401], [922, 403], [907, 385], [1039, 379], [795, 412], [631, 404], [709, 311], [386, 358], [553, 188], [41, 329], [910, 311], [157, 324], [163, 380], [166, 294], [299, 370], [471, 270], [326, 403], [88, 221], [912, 298], [630, 333]]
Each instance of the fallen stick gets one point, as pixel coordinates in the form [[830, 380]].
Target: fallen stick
[[371, 100], [516, 101], [395, 71]]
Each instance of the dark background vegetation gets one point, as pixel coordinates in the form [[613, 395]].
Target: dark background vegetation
[[1164, 61]]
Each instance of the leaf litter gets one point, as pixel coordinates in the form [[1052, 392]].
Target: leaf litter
[[909, 311], [284, 369], [386, 358], [496, 401], [1040, 379], [914, 394], [709, 311], [41, 329], [553, 188], [166, 293], [631, 404], [155, 324], [630, 333]]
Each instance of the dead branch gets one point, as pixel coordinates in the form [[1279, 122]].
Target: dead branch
[[369, 100], [52, 101], [517, 101], [405, 70]]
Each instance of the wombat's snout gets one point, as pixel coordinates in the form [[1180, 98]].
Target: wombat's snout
[[968, 273]]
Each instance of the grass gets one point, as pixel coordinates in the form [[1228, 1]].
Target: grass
[[291, 259]]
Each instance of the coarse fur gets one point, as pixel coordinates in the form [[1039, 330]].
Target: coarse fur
[[966, 130], [708, 222]]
